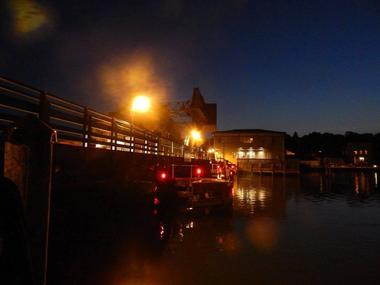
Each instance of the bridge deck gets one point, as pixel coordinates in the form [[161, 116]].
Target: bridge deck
[[78, 125]]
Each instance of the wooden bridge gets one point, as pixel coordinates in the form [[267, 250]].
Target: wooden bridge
[[78, 125], [47, 142]]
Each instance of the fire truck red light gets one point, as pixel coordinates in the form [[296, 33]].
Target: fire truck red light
[[156, 201], [163, 175]]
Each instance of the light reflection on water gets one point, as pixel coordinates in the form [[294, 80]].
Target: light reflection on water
[[310, 229], [376, 183]]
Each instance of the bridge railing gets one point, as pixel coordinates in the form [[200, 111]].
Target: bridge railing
[[79, 125]]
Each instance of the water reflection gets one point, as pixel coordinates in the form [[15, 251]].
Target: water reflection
[[252, 197], [376, 183], [311, 228], [263, 195], [354, 187]]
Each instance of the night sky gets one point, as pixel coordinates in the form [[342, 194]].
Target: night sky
[[283, 65]]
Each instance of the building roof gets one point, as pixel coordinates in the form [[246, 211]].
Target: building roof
[[249, 131], [202, 112]]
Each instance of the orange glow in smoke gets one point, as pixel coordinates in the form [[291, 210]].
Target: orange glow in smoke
[[125, 78]]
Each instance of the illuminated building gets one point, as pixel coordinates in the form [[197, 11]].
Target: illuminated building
[[359, 153], [254, 150]]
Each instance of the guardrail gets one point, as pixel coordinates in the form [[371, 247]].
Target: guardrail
[[79, 125]]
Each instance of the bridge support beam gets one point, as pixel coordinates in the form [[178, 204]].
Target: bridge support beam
[[28, 162]]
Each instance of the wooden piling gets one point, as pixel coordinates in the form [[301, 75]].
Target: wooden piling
[[38, 204], [28, 162]]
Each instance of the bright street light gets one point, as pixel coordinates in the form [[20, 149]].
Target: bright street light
[[141, 104], [196, 135]]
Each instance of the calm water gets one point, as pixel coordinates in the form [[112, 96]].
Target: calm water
[[295, 230]]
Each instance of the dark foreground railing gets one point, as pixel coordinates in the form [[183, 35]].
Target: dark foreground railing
[[78, 125]]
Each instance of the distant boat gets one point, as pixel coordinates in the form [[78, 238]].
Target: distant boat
[[195, 191]]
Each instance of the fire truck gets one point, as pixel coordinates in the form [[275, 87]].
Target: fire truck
[[195, 185]]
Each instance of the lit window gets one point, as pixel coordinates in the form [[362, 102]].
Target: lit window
[[240, 153], [365, 152], [261, 153], [360, 152], [246, 139], [361, 158], [355, 152]]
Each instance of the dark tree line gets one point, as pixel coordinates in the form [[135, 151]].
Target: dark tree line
[[329, 145]]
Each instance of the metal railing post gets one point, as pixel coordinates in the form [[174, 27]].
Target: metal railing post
[[157, 146], [145, 143], [85, 127], [43, 112], [113, 134], [132, 138]]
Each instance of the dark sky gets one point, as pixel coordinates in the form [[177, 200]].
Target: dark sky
[[282, 65]]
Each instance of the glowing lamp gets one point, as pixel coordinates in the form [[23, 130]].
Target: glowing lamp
[[141, 104], [196, 135]]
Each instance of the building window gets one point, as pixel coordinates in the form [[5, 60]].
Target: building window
[[365, 152], [361, 158], [246, 139], [251, 153], [260, 153], [241, 154]]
